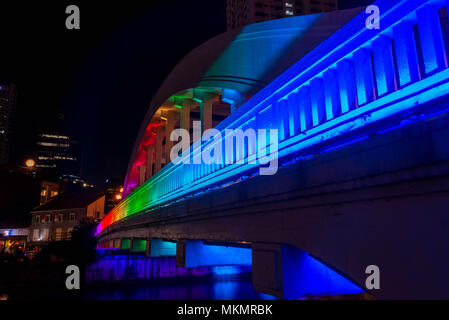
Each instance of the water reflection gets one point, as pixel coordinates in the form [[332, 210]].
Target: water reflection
[[210, 289]]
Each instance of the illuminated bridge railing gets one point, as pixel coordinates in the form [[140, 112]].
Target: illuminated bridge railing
[[355, 78]]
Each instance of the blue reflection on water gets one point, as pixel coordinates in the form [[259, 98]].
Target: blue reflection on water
[[211, 289]]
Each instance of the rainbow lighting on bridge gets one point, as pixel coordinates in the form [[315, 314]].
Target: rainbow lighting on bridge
[[358, 82]]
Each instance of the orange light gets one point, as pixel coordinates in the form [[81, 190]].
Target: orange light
[[118, 196], [121, 189], [30, 163]]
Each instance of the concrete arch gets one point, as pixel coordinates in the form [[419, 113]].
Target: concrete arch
[[241, 61]]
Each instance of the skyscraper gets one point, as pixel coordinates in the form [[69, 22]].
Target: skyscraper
[[7, 109], [58, 154], [243, 12]]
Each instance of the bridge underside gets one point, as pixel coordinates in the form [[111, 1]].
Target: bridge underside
[[381, 201]]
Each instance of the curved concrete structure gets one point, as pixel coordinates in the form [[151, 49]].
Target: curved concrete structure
[[236, 63], [363, 123]]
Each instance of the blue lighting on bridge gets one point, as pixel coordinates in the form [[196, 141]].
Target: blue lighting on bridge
[[358, 94], [303, 275], [197, 253], [160, 248]]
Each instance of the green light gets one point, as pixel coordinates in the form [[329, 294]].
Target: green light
[[125, 244], [139, 245]]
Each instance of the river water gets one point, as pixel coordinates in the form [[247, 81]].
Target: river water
[[203, 289], [137, 277]]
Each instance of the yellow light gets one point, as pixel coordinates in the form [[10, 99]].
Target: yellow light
[[164, 118], [118, 196], [121, 189], [30, 163]]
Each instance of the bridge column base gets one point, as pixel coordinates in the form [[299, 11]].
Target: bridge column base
[[160, 248], [196, 253], [287, 272], [137, 245]]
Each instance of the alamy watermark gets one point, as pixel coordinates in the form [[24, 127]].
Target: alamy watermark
[[373, 20], [73, 20], [234, 146], [373, 280], [73, 280]]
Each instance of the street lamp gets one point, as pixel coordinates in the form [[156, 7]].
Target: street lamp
[[30, 163]]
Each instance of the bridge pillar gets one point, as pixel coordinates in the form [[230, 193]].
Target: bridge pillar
[[158, 148], [148, 247], [150, 161], [196, 253], [206, 100], [185, 114], [347, 85], [431, 38], [206, 115], [407, 56], [142, 172], [287, 272], [172, 118], [160, 248]]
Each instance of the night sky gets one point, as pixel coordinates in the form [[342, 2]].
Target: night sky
[[97, 83]]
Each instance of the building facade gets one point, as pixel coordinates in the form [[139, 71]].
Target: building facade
[[49, 190], [56, 219], [243, 12], [7, 110]]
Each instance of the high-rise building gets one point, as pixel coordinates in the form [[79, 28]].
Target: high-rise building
[[58, 155], [7, 108], [242, 12]]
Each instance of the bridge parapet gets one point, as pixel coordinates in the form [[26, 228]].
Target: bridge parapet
[[357, 81]]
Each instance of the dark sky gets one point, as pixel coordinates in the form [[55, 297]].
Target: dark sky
[[97, 83]]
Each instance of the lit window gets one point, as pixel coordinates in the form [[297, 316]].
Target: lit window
[[53, 136], [50, 144], [36, 234]]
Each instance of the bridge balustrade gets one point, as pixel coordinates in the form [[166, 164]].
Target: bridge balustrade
[[354, 78]]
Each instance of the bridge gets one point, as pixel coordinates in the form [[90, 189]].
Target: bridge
[[362, 155]]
